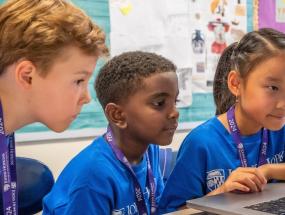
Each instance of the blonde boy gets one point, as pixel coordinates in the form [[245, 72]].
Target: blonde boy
[[48, 51]]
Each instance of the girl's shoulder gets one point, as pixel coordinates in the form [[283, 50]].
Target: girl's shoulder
[[207, 129], [205, 136], [278, 136]]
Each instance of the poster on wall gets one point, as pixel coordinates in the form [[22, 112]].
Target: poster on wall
[[270, 13], [191, 33]]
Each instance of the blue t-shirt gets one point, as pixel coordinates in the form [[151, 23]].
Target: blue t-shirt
[[96, 182], [206, 158]]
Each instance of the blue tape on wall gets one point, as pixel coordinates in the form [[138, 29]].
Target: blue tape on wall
[[249, 15]]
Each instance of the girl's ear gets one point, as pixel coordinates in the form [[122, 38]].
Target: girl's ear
[[116, 115], [234, 82], [24, 73]]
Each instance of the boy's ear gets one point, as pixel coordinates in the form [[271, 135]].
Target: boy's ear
[[115, 115], [24, 73], [234, 82]]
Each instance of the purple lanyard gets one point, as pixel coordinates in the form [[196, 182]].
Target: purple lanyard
[[236, 136], [8, 170], [140, 201]]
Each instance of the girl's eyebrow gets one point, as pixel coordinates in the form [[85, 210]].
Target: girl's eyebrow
[[272, 79]]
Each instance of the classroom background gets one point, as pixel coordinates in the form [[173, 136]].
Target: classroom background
[[192, 33]]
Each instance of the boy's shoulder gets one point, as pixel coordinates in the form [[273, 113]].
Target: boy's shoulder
[[95, 159], [97, 164], [96, 151], [92, 170]]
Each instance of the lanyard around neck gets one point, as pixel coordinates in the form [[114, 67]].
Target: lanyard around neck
[[8, 170], [140, 201], [235, 133]]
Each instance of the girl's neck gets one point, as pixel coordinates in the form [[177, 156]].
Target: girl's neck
[[246, 125], [133, 150]]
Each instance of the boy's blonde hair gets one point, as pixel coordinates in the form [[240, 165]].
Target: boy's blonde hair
[[38, 30]]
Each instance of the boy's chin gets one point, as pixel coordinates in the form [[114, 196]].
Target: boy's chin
[[59, 128], [165, 143]]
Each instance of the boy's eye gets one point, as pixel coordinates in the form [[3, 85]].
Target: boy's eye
[[273, 88], [158, 103], [177, 100], [79, 81]]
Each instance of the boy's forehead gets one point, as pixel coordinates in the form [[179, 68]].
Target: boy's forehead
[[159, 81], [160, 76]]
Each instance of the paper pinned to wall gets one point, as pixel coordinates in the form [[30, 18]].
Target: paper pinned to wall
[[270, 13], [192, 34]]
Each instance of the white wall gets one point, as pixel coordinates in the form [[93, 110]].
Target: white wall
[[56, 154]]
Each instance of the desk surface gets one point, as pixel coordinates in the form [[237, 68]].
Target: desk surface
[[185, 212]]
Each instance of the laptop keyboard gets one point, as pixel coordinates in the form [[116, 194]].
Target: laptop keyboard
[[273, 207]]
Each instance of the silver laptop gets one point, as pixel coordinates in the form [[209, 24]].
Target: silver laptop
[[270, 201]]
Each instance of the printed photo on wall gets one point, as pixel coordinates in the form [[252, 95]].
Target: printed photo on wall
[[185, 87]]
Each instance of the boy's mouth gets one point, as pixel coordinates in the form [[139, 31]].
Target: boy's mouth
[[171, 128]]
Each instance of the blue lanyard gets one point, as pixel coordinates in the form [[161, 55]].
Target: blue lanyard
[[8, 170], [235, 133], [140, 201]]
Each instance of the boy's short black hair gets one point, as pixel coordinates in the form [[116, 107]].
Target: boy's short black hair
[[122, 75]]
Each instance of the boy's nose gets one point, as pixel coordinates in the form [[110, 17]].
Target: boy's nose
[[174, 113], [86, 97]]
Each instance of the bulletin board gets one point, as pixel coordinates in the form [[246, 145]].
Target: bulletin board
[[191, 33], [269, 14]]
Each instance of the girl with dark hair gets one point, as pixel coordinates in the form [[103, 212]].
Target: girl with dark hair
[[242, 147]]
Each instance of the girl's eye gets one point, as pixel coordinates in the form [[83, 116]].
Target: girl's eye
[[273, 88]]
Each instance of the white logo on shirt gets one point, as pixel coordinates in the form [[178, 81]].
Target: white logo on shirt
[[132, 208], [278, 158], [215, 178], [127, 210]]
